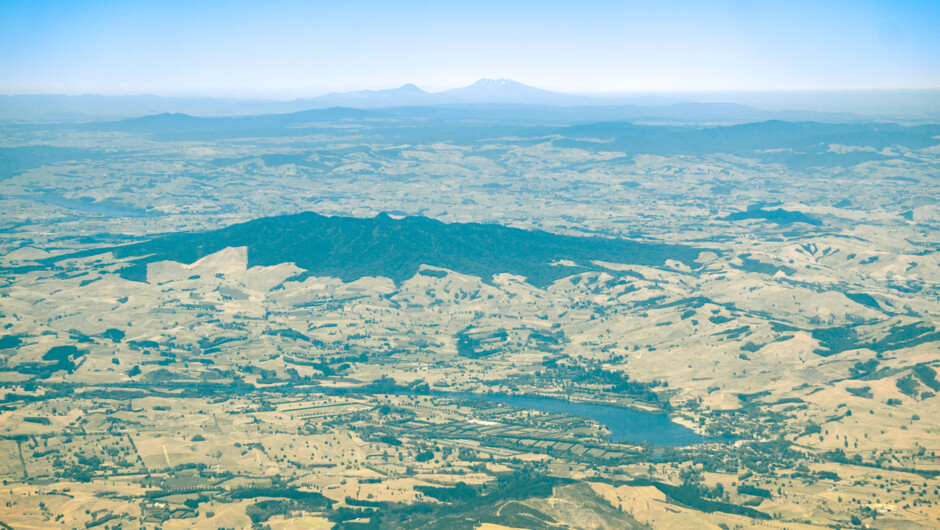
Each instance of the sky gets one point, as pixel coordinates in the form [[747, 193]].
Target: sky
[[289, 49]]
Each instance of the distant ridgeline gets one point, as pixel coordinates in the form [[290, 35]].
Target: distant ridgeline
[[798, 145], [350, 248]]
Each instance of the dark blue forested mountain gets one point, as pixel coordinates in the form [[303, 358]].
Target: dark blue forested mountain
[[778, 215], [350, 248]]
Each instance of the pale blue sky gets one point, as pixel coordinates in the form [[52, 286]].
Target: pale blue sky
[[287, 49]]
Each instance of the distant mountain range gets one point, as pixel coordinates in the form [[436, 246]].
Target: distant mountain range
[[483, 92], [54, 106], [350, 248]]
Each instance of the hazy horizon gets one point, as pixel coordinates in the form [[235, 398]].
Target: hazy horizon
[[594, 94], [886, 104], [292, 50]]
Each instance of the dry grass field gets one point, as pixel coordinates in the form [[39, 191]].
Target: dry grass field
[[795, 358]]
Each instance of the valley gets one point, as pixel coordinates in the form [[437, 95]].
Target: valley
[[338, 318]]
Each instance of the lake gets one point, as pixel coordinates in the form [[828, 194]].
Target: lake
[[625, 425], [98, 208]]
